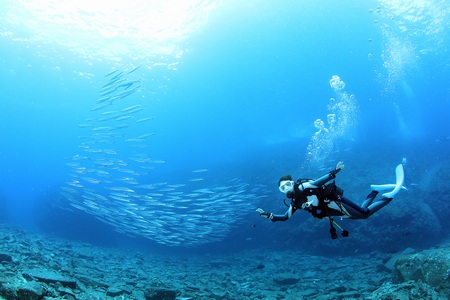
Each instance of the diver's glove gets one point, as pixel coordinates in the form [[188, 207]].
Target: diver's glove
[[264, 214], [339, 166]]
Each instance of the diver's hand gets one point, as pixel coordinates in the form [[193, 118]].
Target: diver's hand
[[339, 166], [263, 214]]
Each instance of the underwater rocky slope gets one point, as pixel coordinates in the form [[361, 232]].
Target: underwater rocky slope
[[35, 266]]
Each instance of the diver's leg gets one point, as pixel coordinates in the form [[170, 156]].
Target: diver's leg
[[369, 199], [377, 205], [354, 209]]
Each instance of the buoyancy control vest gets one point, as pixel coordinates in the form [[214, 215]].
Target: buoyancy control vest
[[325, 194]]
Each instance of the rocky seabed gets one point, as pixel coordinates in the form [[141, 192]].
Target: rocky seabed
[[36, 266]]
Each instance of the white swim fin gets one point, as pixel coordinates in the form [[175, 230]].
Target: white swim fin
[[381, 187], [384, 187], [400, 174]]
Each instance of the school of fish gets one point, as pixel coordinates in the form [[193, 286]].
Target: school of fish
[[110, 177]]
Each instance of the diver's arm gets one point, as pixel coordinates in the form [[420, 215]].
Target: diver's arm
[[276, 218], [285, 217], [322, 180], [327, 177]]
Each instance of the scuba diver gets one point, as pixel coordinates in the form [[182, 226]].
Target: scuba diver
[[324, 199]]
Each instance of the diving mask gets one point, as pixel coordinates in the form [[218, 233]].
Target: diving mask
[[286, 186]]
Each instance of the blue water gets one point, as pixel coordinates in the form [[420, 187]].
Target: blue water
[[235, 88]]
